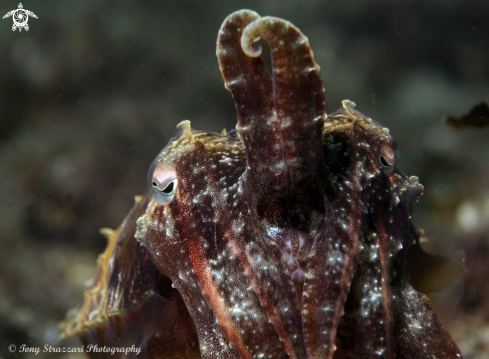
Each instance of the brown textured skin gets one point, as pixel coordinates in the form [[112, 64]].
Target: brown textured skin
[[135, 304], [286, 236]]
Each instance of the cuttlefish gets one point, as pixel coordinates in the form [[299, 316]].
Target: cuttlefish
[[288, 237]]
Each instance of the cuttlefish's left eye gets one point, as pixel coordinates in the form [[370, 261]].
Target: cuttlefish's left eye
[[163, 184], [389, 159]]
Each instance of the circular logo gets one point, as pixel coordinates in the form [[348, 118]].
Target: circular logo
[[20, 17], [11, 348]]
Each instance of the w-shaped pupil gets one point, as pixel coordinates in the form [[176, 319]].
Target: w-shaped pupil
[[384, 161], [169, 188]]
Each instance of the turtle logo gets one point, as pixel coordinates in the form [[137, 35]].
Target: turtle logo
[[20, 17]]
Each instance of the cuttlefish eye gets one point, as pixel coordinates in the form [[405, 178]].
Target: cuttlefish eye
[[389, 159], [162, 183]]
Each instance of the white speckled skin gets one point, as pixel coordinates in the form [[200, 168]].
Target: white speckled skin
[[290, 235], [295, 228]]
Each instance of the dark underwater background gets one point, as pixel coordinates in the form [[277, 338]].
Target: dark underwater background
[[94, 90]]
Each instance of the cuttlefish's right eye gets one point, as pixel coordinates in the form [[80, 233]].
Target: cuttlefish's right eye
[[162, 183], [389, 158]]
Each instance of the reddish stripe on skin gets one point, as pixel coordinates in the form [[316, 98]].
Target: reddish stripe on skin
[[350, 263], [270, 308], [201, 268], [326, 291], [384, 253]]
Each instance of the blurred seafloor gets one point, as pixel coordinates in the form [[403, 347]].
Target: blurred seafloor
[[94, 90]]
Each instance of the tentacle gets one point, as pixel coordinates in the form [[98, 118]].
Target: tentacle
[[247, 78], [280, 118], [334, 255], [251, 86], [368, 310], [298, 96]]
